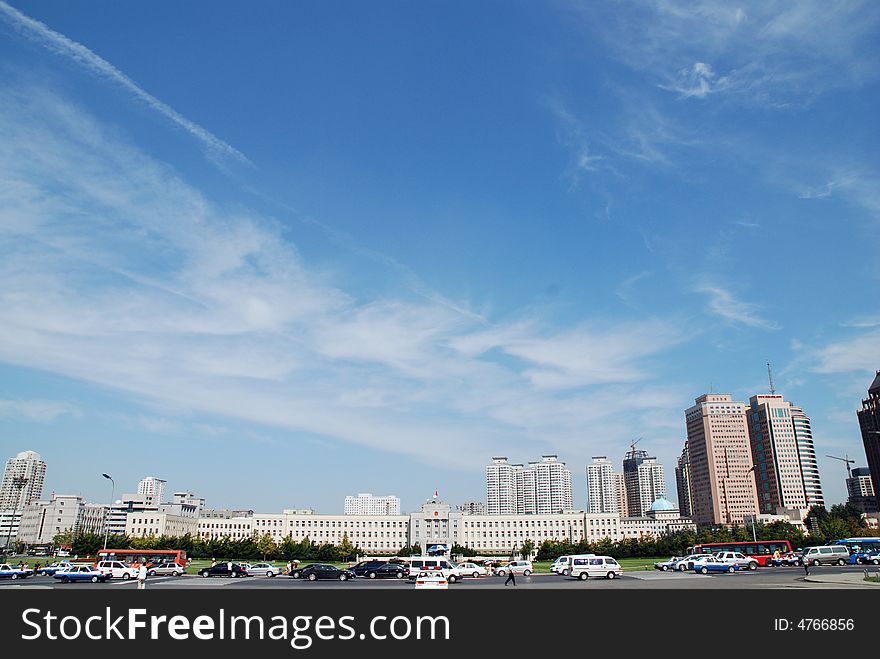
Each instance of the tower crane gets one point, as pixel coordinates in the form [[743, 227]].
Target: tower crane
[[846, 460]]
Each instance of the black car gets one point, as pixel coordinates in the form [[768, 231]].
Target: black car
[[389, 571], [362, 568], [222, 570], [317, 571]]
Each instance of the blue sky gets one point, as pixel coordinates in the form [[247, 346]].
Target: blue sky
[[278, 254]]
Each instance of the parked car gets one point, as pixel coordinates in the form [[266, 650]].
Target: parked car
[[685, 563], [472, 570], [668, 564], [388, 571], [827, 554], [49, 570], [262, 570], [81, 573], [315, 571], [517, 567], [363, 567], [9, 572], [738, 559], [714, 564], [431, 580], [224, 570], [174, 569], [117, 570], [585, 566], [872, 557]]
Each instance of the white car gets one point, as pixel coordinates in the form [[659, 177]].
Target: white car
[[686, 563], [262, 569], [431, 580], [735, 558], [117, 570], [472, 570], [174, 569], [517, 567]]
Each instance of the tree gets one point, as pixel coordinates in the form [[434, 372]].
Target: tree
[[346, 549], [527, 548], [266, 546], [63, 539]]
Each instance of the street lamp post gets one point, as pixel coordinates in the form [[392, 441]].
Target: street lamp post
[[110, 508]]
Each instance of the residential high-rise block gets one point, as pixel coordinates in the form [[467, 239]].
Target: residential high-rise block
[[503, 486], [602, 496], [152, 489], [544, 487], [683, 482], [869, 422], [620, 493], [644, 480], [720, 459], [552, 486], [803, 432], [861, 491], [367, 504], [22, 480], [775, 454]]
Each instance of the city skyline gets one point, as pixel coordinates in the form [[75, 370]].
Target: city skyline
[[299, 235]]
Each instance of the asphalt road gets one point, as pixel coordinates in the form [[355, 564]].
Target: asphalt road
[[773, 578]]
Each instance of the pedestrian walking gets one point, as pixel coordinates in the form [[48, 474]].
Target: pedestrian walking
[[142, 576], [806, 567], [510, 577]]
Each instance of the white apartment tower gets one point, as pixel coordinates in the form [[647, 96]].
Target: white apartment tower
[[22, 480], [152, 489], [367, 504], [652, 485], [502, 479], [602, 496], [552, 486]]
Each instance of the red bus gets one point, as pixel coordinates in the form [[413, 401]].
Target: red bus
[[760, 550], [139, 556]]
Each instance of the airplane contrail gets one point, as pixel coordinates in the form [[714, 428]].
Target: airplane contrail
[[61, 45]]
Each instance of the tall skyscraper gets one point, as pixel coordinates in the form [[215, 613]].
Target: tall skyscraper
[[22, 480], [644, 481], [861, 491], [152, 489], [367, 504], [502, 492], [620, 493], [869, 422], [602, 494], [803, 432], [720, 458], [683, 482], [779, 481]]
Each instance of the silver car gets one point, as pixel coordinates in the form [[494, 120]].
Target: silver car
[[263, 570], [174, 569]]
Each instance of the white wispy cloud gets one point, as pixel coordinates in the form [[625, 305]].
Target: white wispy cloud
[[41, 411], [767, 53], [66, 47], [863, 321], [115, 271], [697, 81], [857, 353], [723, 303]]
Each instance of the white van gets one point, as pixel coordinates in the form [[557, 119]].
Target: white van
[[584, 566], [827, 554], [418, 564]]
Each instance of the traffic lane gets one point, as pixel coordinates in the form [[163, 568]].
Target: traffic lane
[[761, 578]]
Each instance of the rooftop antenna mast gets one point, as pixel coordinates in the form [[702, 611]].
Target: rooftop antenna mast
[[770, 376]]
